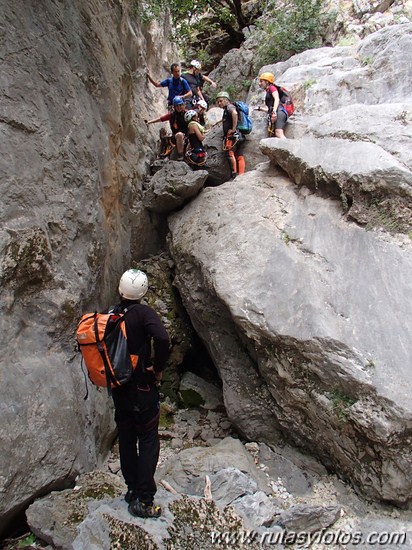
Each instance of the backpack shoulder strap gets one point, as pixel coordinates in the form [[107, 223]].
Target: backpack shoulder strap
[[129, 308]]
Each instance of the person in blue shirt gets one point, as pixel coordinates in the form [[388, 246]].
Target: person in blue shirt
[[176, 84]]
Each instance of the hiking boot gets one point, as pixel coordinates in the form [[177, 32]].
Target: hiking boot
[[142, 510], [130, 495]]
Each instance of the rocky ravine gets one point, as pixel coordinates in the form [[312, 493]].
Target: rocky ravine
[[211, 483], [305, 313], [72, 217]]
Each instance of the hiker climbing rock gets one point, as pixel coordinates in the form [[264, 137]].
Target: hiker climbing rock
[[233, 140], [279, 105], [195, 155], [201, 108], [177, 123], [192, 77], [177, 86]]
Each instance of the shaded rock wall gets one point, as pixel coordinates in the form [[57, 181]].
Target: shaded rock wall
[[74, 153]]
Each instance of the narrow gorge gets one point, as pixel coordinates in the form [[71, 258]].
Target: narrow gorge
[[287, 291]]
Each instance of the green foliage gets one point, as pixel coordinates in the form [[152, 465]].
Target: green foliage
[[365, 61], [166, 419], [309, 83], [231, 90], [349, 40], [203, 56], [285, 237], [370, 364], [341, 403], [187, 20], [190, 399], [292, 29], [27, 541]]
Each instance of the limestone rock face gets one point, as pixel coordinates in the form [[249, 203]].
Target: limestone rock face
[[305, 313], [172, 186], [352, 126], [307, 320], [74, 153]]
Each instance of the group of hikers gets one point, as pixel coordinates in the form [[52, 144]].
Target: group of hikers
[[137, 401], [186, 114]]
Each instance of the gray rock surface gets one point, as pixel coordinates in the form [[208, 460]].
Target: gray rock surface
[[358, 173], [308, 518], [208, 394], [298, 472], [86, 518], [172, 186], [186, 471], [54, 518], [94, 514], [74, 153], [303, 292], [311, 337]]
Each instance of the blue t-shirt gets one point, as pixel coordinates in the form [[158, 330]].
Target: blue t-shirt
[[177, 86]]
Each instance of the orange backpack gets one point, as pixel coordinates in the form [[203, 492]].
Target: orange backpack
[[102, 341]]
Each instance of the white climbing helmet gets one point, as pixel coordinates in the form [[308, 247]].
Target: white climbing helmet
[[196, 64], [189, 115], [202, 103], [133, 284]]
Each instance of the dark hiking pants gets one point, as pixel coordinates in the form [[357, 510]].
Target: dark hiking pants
[[137, 419]]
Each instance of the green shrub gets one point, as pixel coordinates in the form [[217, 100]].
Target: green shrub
[[292, 29]]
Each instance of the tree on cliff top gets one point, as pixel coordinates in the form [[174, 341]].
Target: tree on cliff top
[[187, 16]]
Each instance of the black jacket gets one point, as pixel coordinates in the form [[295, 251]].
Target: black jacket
[[144, 328]]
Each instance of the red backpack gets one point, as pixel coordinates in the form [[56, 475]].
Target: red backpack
[[286, 100]]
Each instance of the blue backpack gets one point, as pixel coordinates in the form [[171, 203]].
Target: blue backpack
[[244, 123]]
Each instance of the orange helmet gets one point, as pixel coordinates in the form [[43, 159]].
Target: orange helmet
[[270, 77]]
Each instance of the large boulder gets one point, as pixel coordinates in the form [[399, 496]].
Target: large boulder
[[172, 186], [374, 187], [329, 368], [306, 318]]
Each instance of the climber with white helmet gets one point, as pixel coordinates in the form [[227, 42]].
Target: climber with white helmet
[[136, 403], [202, 78], [201, 108], [192, 77], [195, 155]]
